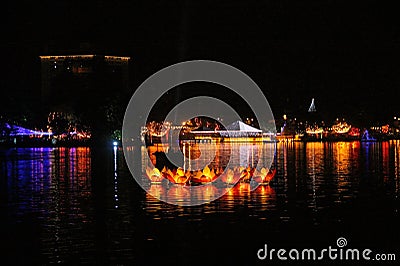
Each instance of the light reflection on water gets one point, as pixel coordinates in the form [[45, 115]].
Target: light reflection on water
[[68, 211], [216, 156], [324, 174], [49, 190]]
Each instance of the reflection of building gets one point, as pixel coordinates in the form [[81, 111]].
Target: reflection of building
[[70, 77]]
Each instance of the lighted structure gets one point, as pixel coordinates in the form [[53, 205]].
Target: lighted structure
[[235, 132], [367, 137], [312, 108], [66, 78], [14, 131], [314, 130], [341, 128]]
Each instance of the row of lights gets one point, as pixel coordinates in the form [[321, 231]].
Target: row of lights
[[337, 119]]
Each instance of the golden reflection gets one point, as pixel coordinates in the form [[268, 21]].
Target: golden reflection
[[265, 191], [341, 163], [157, 191], [229, 191], [178, 192], [315, 159], [341, 158], [243, 188], [396, 147], [72, 164], [229, 198], [207, 192], [345, 162]]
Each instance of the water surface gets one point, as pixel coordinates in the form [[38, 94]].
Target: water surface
[[81, 205]]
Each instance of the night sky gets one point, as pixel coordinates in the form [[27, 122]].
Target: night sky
[[346, 57]]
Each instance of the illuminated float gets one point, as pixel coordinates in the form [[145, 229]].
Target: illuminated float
[[314, 130], [210, 175], [203, 177], [178, 176], [229, 177], [341, 128], [264, 176], [154, 175], [366, 137]]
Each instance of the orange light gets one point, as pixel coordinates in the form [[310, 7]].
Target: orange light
[[62, 57], [264, 176], [154, 175]]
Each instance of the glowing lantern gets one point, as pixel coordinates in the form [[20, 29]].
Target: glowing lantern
[[205, 176], [228, 177], [181, 177], [154, 175], [264, 176], [244, 173], [177, 177]]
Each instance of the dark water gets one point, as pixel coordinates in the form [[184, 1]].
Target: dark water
[[80, 205]]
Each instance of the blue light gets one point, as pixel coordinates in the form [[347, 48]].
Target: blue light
[[115, 143], [21, 131]]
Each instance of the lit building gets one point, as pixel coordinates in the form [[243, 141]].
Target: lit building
[[68, 79]]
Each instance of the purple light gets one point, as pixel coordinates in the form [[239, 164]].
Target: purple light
[[21, 131]]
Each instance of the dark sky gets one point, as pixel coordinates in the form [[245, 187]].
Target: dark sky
[[345, 56]]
